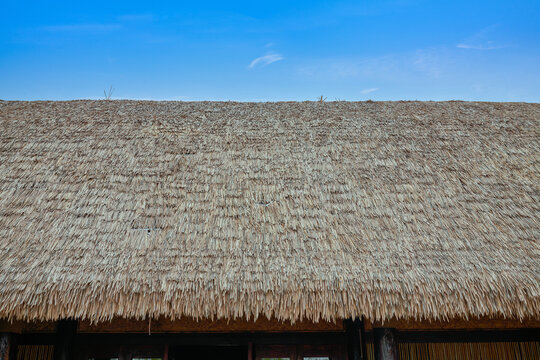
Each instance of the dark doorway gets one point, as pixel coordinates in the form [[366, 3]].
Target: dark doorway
[[209, 353]]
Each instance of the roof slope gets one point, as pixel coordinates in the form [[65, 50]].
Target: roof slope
[[296, 210]]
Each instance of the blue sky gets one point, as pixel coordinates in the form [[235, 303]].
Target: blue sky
[[270, 51]]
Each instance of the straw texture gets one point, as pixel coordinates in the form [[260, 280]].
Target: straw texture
[[293, 210], [35, 352], [467, 351]]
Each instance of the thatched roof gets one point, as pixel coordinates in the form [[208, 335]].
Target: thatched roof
[[292, 210]]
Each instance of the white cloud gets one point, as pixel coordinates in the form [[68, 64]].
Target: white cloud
[[265, 60], [370, 90]]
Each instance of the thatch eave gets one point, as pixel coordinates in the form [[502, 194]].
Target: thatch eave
[[318, 211]]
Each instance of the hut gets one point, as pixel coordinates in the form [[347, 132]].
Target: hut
[[134, 230]]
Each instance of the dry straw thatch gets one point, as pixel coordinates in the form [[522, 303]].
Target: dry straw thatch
[[293, 210], [465, 351]]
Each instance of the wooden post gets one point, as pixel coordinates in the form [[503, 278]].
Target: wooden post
[[250, 351], [385, 344], [65, 334], [166, 352], [356, 339], [5, 340], [13, 346], [8, 346]]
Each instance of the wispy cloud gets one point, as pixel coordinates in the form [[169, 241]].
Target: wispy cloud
[[82, 27], [482, 40], [479, 47], [428, 62], [431, 63], [265, 60], [370, 90], [136, 17]]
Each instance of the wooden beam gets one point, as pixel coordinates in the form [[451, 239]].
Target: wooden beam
[[191, 325], [212, 339], [356, 339], [385, 344], [206, 326], [65, 337], [243, 339], [472, 324], [465, 336]]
